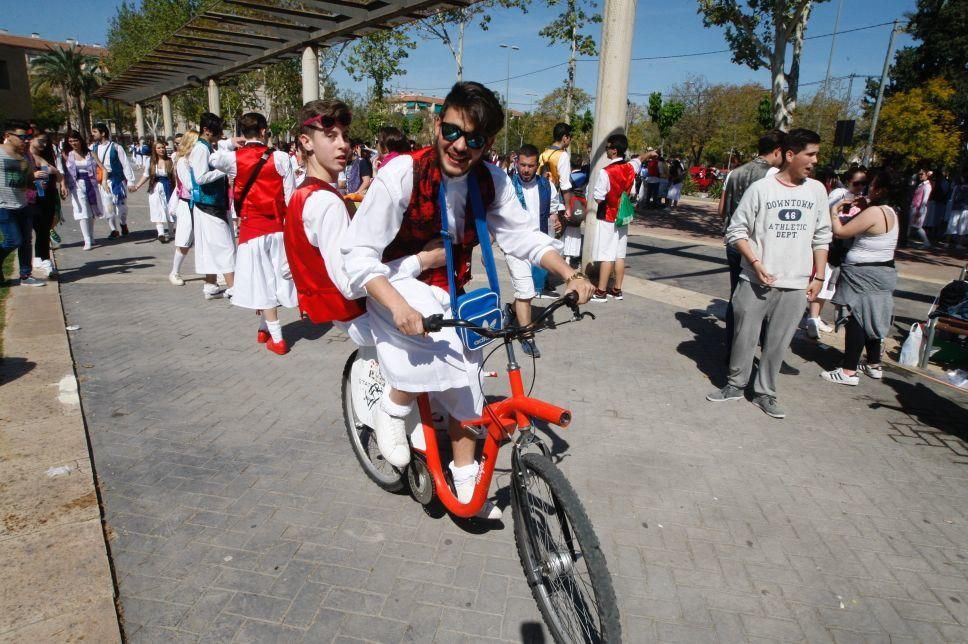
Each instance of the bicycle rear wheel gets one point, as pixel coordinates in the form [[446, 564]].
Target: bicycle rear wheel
[[363, 439], [561, 556]]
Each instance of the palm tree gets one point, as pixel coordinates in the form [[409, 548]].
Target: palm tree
[[74, 74]]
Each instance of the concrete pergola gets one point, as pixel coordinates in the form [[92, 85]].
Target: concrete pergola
[[231, 37]]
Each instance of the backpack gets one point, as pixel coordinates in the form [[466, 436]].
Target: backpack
[[953, 300], [548, 164]]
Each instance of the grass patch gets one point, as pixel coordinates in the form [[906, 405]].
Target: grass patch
[[8, 267]]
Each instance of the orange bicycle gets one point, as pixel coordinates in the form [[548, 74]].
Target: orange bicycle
[[559, 551]]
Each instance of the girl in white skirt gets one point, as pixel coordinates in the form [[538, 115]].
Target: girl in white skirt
[[159, 175], [79, 168], [184, 233]]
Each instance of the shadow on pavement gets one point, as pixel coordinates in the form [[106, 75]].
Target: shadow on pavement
[[708, 348], [12, 368], [929, 408], [304, 330], [692, 219], [105, 267]]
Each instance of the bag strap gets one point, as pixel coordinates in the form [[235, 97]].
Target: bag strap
[[483, 236], [251, 181]]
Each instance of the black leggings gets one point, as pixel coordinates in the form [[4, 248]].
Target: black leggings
[[43, 219], [857, 341]]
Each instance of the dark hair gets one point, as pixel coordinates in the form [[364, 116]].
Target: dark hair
[[392, 139], [177, 134], [561, 131], [770, 142], [82, 149], [852, 172], [527, 150], [252, 124], [412, 144], [11, 125], [618, 141], [886, 181], [47, 154], [103, 129], [478, 104], [796, 140], [211, 122], [322, 107]]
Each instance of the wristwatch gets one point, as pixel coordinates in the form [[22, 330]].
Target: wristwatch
[[577, 275]]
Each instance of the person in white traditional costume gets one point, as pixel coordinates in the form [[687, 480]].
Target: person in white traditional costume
[[79, 168], [399, 214], [116, 177], [160, 177], [262, 186]]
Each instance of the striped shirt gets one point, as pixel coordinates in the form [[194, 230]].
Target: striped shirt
[[14, 179]]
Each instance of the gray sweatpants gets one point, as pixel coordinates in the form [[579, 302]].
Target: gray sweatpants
[[782, 309]]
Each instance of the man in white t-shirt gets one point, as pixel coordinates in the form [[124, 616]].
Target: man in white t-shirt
[[781, 229]]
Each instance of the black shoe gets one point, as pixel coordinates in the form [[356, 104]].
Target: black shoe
[[789, 370], [114, 234], [124, 230], [530, 348], [164, 239]]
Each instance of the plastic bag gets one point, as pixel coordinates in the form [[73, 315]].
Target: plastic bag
[[911, 349], [626, 211]]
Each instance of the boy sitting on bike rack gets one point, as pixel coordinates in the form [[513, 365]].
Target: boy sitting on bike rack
[[401, 212]]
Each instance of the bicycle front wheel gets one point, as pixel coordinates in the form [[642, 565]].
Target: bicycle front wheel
[[561, 556]]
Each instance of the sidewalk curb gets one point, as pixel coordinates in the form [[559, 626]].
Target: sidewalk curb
[[58, 581]]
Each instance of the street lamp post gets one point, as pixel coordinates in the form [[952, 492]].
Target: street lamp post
[[507, 92]]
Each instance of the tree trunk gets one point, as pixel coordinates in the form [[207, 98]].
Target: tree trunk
[[781, 118], [570, 87], [67, 107], [459, 53]]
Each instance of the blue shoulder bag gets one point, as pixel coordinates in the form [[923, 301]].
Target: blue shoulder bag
[[482, 306]]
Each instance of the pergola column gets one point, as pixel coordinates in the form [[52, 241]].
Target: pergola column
[[139, 120], [310, 75], [166, 117], [610, 100], [213, 100]]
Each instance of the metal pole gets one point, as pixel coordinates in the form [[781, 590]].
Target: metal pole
[[850, 92], [869, 150], [507, 95], [611, 95], [830, 60]]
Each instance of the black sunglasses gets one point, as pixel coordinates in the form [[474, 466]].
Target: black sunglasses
[[474, 140], [321, 121]]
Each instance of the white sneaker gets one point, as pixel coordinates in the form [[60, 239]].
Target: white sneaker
[[220, 280], [87, 245], [815, 325], [826, 328], [874, 372], [212, 292], [465, 492], [391, 437], [176, 279], [838, 377]]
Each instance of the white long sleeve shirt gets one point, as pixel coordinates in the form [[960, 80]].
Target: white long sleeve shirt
[[224, 160], [532, 201], [381, 214], [564, 171], [325, 222], [784, 224], [199, 160], [103, 153]]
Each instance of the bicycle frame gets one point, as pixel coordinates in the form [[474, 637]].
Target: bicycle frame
[[500, 419]]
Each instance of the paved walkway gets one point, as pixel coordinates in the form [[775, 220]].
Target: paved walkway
[[239, 512]]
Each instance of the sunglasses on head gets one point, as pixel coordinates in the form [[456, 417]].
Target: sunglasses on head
[[474, 140], [325, 121]]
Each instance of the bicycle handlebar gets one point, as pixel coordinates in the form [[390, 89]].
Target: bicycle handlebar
[[437, 322]]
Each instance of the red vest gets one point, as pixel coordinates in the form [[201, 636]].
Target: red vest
[[421, 222], [265, 205], [621, 178], [318, 296]]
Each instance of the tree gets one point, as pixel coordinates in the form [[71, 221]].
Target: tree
[[759, 38], [449, 26], [567, 29], [664, 114], [379, 57], [136, 30], [764, 112], [942, 52], [74, 74], [50, 111], [918, 126]]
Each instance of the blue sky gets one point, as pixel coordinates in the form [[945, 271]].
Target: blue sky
[[661, 29]]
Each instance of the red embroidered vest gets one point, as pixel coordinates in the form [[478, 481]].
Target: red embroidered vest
[[621, 178], [421, 222], [318, 296], [265, 205]]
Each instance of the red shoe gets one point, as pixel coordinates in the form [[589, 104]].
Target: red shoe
[[263, 336], [280, 347]]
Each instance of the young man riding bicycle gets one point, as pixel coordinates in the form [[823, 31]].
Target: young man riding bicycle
[[400, 214]]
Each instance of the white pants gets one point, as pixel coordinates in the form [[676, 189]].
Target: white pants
[[611, 242], [436, 363], [112, 210], [571, 238], [214, 244], [262, 277], [521, 280], [81, 208]]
